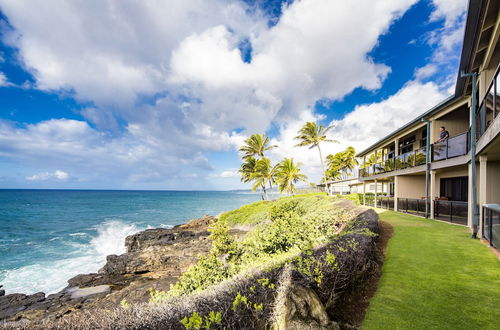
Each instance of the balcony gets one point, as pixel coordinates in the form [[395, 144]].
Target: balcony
[[450, 148], [406, 160], [489, 106]]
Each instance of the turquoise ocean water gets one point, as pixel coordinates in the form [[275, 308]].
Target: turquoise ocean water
[[49, 236]]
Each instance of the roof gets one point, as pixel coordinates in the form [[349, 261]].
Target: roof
[[474, 11]]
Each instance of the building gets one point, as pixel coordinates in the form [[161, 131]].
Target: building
[[456, 180]]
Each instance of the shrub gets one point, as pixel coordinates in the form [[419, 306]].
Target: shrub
[[357, 198], [208, 270]]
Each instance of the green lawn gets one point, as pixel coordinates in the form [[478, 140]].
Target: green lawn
[[435, 277]]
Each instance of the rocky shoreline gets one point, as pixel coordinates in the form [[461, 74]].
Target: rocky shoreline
[[155, 258]]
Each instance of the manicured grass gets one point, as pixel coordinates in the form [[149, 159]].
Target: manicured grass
[[435, 277]]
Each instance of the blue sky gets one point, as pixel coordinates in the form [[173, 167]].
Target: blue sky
[[160, 96]]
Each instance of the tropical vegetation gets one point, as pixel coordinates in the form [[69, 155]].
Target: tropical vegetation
[[311, 135], [258, 169], [341, 165], [281, 230]]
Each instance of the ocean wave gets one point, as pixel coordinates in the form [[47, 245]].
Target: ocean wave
[[78, 234], [52, 276]]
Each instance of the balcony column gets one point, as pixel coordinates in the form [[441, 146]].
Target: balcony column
[[364, 193], [432, 134], [483, 191], [396, 148], [432, 193], [376, 190], [396, 192]]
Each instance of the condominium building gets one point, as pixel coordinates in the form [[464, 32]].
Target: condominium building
[[456, 179]]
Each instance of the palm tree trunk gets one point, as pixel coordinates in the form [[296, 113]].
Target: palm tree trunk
[[321, 159], [264, 192]]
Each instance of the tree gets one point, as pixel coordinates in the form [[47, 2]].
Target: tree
[[374, 158], [247, 169], [311, 135], [263, 175], [288, 174], [255, 145], [341, 164]]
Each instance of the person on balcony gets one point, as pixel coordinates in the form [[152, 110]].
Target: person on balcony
[[443, 135]]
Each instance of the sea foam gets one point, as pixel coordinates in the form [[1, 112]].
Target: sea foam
[[52, 276]]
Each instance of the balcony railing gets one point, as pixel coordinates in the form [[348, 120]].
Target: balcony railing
[[451, 211], [386, 203], [412, 206], [406, 160], [452, 147], [491, 224], [489, 107]]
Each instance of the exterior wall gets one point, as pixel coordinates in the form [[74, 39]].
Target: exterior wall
[[455, 122], [370, 187], [411, 186], [493, 183]]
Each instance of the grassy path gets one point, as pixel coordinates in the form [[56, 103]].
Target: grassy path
[[435, 277]]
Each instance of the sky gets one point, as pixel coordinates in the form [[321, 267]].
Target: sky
[[156, 94]]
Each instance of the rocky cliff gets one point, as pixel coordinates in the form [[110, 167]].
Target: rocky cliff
[[155, 259]]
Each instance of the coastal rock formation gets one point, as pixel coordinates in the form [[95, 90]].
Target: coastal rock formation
[[155, 259]]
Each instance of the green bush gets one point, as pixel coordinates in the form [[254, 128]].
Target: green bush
[[355, 197], [208, 270], [247, 214], [296, 224]]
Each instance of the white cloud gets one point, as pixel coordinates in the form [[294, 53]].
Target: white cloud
[[95, 157], [230, 173], [362, 127], [3, 80], [446, 40], [43, 176], [449, 10], [425, 71], [172, 71]]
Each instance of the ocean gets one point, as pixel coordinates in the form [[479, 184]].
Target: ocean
[[49, 236]]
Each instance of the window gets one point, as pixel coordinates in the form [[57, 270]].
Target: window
[[455, 189]]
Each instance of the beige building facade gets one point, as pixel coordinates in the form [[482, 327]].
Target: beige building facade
[[437, 179]]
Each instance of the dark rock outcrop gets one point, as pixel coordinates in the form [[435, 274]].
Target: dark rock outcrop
[[155, 258]]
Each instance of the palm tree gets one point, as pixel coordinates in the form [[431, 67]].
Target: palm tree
[[264, 174], [255, 145], [311, 135], [287, 174], [247, 169], [260, 171]]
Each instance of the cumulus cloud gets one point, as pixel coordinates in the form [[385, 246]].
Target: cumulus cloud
[[3, 80], [167, 82], [43, 176], [446, 40], [230, 173], [124, 160], [365, 125], [449, 10]]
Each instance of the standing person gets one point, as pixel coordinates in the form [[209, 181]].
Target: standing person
[[443, 134]]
